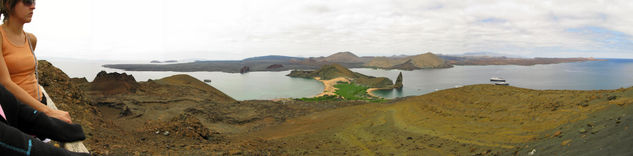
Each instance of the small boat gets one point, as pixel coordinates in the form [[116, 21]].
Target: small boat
[[207, 80], [502, 83], [497, 79]]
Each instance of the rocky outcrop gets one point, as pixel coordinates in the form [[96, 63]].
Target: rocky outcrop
[[69, 96], [374, 82], [245, 69], [301, 73], [59, 86], [275, 66], [114, 83], [398, 84]]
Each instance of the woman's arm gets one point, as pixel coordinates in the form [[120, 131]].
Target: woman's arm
[[23, 96]]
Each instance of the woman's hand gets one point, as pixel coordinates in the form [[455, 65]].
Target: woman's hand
[[58, 114]]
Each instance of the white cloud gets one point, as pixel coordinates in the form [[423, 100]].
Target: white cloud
[[160, 29]]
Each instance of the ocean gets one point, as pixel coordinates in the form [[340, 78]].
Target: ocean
[[593, 75]]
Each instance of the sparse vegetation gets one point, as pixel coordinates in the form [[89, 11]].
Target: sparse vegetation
[[351, 91]]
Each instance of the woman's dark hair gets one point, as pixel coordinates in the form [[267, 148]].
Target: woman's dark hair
[[6, 6]]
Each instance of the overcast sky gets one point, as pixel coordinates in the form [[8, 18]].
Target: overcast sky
[[236, 29]]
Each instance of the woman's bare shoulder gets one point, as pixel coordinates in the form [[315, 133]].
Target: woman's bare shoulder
[[31, 36], [33, 39]]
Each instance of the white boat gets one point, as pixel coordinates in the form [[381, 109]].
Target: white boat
[[497, 79], [502, 83]]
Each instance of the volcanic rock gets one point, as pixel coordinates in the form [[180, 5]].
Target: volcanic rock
[[245, 69], [398, 84], [274, 66], [190, 87], [114, 83]]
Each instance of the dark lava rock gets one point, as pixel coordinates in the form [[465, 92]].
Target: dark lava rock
[[125, 112], [114, 83], [104, 76], [301, 73], [275, 66], [245, 69], [69, 96], [60, 87], [611, 98]]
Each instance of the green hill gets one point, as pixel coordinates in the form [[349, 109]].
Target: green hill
[[330, 71]]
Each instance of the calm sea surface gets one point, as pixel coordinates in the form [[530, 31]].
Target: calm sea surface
[[611, 74]]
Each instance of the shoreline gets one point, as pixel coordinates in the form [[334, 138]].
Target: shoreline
[[370, 90], [329, 89], [328, 85]]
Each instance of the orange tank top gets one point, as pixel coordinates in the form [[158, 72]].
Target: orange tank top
[[21, 64]]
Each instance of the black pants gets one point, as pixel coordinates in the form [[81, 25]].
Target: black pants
[[22, 119]]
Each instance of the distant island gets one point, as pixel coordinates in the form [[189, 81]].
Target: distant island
[[503, 60], [346, 59], [168, 61]]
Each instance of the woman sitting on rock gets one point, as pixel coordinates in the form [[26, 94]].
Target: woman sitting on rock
[[17, 119], [18, 65]]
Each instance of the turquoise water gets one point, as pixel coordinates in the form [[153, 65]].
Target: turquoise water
[[611, 74]]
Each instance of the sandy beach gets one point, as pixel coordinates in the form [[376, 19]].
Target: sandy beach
[[370, 90], [329, 88]]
